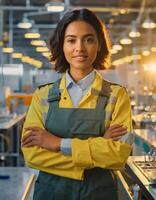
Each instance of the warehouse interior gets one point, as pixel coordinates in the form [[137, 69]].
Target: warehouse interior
[[25, 29]]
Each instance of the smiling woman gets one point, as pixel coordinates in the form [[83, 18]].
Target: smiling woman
[[78, 129], [74, 22], [80, 47]]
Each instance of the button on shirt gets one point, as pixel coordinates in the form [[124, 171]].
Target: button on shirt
[[76, 92]]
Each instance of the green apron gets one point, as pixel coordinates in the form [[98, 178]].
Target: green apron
[[98, 183]]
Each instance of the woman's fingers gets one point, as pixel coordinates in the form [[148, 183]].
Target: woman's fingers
[[119, 133], [118, 130], [116, 138], [115, 132], [30, 133], [30, 141], [115, 126], [32, 128]]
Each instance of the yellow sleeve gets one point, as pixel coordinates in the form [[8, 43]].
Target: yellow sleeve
[[105, 153], [40, 158], [122, 115]]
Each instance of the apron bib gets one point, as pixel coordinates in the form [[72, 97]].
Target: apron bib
[[98, 183]]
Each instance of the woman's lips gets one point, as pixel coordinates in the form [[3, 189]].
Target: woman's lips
[[80, 57]]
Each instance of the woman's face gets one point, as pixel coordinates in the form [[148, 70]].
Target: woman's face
[[80, 45]]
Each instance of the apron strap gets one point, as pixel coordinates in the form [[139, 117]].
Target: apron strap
[[54, 95], [104, 94], [103, 98]]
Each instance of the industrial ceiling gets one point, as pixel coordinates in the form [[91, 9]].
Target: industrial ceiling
[[120, 16]]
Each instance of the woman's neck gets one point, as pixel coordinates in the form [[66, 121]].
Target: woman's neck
[[79, 74]]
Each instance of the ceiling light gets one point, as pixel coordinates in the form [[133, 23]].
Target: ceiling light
[[54, 7], [38, 43], [42, 49], [37, 63], [148, 23], [145, 52], [117, 47], [17, 55], [123, 11], [113, 51], [1, 43], [153, 49], [134, 31], [134, 34], [33, 34], [46, 54], [25, 23], [136, 72], [152, 67], [136, 57], [115, 13], [125, 41], [7, 50], [25, 59]]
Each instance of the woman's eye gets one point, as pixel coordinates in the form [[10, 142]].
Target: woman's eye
[[71, 41], [90, 40]]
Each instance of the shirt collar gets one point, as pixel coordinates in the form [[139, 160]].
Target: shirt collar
[[83, 83]]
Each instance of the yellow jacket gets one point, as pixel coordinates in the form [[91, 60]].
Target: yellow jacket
[[89, 153]]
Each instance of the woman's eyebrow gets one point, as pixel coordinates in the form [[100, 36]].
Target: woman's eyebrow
[[86, 35]]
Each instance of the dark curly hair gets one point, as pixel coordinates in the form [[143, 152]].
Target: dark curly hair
[[57, 39]]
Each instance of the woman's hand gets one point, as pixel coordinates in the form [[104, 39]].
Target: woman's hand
[[40, 137], [115, 132]]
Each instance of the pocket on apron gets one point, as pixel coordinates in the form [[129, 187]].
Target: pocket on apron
[[86, 128]]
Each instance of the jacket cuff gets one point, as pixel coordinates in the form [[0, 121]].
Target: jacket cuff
[[81, 153], [65, 146]]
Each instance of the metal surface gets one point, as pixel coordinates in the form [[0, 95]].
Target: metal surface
[[148, 168], [16, 183], [138, 176], [7, 122], [124, 191], [10, 131]]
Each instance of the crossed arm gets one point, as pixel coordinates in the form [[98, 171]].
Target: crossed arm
[[42, 148], [40, 137]]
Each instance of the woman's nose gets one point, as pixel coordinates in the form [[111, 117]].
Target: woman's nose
[[80, 46]]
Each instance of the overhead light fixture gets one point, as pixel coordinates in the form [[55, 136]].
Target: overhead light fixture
[[7, 50], [136, 57], [1, 43], [134, 33], [32, 34], [113, 51], [25, 23], [153, 49], [38, 43], [25, 59], [125, 41], [17, 55], [117, 47], [42, 49], [148, 23], [46, 54], [123, 11], [146, 52], [54, 7]]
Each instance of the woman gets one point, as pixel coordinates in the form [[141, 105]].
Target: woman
[[78, 129]]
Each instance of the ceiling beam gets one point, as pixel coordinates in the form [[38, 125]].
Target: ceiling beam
[[93, 8]]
